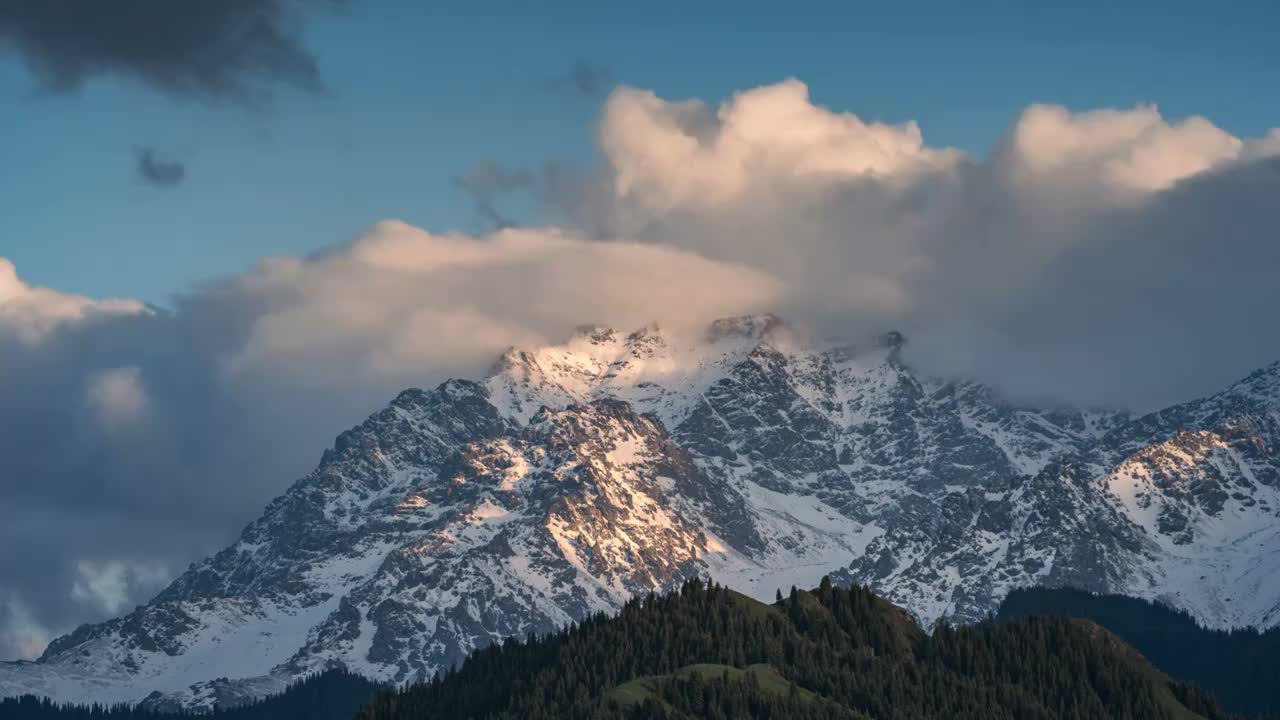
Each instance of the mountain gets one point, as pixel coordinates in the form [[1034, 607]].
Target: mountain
[[1240, 668], [576, 476], [708, 652]]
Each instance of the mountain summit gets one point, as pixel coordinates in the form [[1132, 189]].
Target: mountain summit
[[576, 476]]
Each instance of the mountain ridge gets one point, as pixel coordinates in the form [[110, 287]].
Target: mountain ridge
[[575, 476]]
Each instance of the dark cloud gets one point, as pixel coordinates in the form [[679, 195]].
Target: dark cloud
[[211, 49], [584, 78], [590, 79], [158, 171], [85, 488], [1159, 303], [485, 182]]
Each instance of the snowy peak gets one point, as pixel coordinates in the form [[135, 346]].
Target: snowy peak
[[1206, 468], [653, 369], [1262, 385]]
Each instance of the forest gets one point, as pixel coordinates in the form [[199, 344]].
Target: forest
[[330, 695], [704, 651], [1241, 668], [707, 652]]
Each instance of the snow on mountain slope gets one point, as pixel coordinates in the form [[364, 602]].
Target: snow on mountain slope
[[577, 475], [1202, 480]]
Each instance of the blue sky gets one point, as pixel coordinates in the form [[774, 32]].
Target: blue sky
[[417, 95]]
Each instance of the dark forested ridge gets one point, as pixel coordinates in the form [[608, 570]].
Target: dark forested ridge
[[834, 653], [1241, 668], [331, 695], [708, 652]]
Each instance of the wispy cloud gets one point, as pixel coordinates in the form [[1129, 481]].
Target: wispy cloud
[[485, 183], [158, 171], [584, 78]]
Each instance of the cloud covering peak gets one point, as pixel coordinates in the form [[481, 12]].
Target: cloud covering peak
[[402, 303]]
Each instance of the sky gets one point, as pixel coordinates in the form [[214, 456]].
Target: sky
[[226, 236], [416, 94]]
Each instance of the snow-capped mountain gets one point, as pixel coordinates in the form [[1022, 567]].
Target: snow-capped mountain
[[575, 476]]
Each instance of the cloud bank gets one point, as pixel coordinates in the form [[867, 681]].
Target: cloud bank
[[1116, 229], [1110, 257]]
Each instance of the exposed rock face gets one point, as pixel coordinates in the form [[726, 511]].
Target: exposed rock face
[[576, 476]]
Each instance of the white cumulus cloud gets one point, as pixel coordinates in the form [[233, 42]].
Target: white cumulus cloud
[[667, 155], [30, 313]]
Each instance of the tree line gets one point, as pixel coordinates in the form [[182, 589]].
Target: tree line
[[706, 652], [330, 695], [833, 653], [1240, 667]]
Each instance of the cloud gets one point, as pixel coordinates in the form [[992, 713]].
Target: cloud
[[583, 78], [19, 633], [668, 155], [29, 313], [158, 171], [867, 226], [1127, 150], [590, 79], [1112, 257], [117, 396], [485, 182], [108, 586], [410, 299], [214, 50]]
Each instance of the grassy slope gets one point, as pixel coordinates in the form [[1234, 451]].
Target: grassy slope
[[637, 690]]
